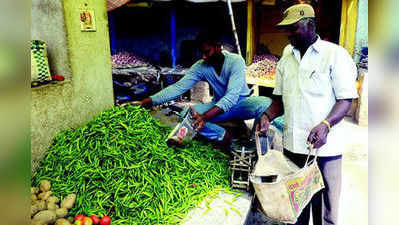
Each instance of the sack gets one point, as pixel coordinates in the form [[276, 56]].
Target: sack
[[282, 188], [40, 71]]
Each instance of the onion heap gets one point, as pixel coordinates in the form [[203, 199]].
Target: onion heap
[[258, 58], [126, 59], [263, 67]]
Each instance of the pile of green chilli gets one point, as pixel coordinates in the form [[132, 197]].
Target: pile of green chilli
[[119, 165]]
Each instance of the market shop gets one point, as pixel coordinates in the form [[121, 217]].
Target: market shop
[[97, 157], [157, 50]]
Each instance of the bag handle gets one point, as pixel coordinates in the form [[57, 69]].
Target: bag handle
[[259, 145], [259, 149], [310, 151]]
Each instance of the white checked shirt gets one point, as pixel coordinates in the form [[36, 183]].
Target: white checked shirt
[[309, 88]]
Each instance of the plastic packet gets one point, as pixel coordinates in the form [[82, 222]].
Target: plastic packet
[[183, 131]]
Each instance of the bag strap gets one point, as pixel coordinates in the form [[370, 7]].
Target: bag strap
[[310, 151], [259, 149], [259, 145]]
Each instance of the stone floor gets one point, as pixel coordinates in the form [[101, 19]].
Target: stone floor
[[226, 209]]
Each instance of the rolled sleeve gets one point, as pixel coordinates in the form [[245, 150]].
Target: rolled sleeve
[[179, 88], [236, 79], [278, 88], [344, 75]]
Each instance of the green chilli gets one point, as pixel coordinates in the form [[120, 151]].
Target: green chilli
[[119, 165]]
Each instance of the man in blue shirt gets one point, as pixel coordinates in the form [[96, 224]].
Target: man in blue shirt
[[225, 73]]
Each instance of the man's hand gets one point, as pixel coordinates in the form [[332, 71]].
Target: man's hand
[[263, 125], [146, 103], [199, 120], [318, 135]]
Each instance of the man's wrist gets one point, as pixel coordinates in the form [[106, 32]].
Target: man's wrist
[[268, 117], [327, 124], [212, 113], [147, 101]]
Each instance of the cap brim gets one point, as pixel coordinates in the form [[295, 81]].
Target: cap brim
[[287, 22]]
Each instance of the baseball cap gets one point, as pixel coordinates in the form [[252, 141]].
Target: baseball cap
[[295, 13]]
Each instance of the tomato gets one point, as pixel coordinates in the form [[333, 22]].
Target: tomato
[[79, 217], [78, 222], [95, 219], [105, 220], [87, 221]]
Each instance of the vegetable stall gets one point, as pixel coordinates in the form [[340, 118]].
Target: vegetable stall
[[119, 165], [157, 46]]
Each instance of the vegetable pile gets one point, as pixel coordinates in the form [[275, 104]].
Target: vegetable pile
[[125, 59], [263, 66], [47, 208], [119, 165], [258, 58], [92, 220]]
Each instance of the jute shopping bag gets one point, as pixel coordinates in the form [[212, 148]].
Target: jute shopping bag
[[282, 188]]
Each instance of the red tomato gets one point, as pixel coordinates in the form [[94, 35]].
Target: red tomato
[[80, 217], [105, 220], [95, 219], [57, 77], [87, 221]]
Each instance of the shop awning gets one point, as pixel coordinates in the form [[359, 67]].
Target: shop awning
[[113, 4]]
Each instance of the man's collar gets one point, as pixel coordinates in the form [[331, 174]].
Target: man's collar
[[316, 46]]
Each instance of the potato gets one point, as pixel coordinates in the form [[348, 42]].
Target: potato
[[70, 219], [45, 195], [61, 212], [33, 210], [41, 205], [68, 201], [34, 202], [47, 216], [33, 197], [45, 185], [53, 199], [62, 221], [34, 190], [33, 222], [51, 206]]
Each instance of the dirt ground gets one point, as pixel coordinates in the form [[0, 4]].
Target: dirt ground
[[354, 196]]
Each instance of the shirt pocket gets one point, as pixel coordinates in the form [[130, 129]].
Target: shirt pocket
[[316, 83]]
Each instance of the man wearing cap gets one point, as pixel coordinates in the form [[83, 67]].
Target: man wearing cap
[[315, 85]]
